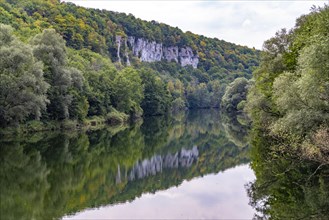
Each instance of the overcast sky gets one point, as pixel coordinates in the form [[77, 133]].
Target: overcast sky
[[242, 22]]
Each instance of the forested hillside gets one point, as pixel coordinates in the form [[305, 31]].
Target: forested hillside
[[70, 62]]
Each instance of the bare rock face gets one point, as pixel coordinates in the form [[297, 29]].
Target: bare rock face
[[151, 51], [145, 50], [188, 58], [170, 54]]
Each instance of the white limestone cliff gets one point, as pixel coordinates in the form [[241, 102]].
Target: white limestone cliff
[[170, 54], [187, 57], [151, 51]]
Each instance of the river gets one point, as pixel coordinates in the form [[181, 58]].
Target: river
[[187, 166]]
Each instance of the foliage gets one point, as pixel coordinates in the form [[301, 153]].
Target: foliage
[[116, 117], [156, 99], [289, 99], [49, 47], [235, 95], [128, 91], [288, 104], [22, 84]]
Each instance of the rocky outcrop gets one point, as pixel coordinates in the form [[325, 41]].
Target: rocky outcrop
[[146, 51], [187, 57], [151, 51], [171, 54]]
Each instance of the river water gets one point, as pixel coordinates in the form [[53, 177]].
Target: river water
[[191, 165]]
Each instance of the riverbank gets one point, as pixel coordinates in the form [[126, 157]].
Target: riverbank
[[92, 123]]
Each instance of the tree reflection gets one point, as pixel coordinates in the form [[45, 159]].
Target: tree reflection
[[49, 175], [286, 187]]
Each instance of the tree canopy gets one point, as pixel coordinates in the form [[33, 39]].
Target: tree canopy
[[289, 99]]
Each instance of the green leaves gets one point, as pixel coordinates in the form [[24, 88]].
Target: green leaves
[[128, 91], [290, 96], [22, 86], [235, 93], [156, 99]]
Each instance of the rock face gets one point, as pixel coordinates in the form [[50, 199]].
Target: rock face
[[187, 58], [171, 54], [151, 51]]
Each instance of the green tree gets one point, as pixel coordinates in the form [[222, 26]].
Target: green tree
[[303, 101], [49, 47], [235, 93], [22, 85], [128, 91], [289, 98], [156, 96]]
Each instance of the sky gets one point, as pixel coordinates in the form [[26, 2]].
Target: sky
[[244, 22]]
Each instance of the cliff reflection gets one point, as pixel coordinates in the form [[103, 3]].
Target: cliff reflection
[[53, 174]]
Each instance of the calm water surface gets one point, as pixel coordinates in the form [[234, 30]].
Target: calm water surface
[[214, 196], [191, 165]]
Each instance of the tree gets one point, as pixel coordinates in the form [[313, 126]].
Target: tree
[[303, 101], [156, 96], [22, 85], [235, 93], [289, 99], [128, 91], [49, 47]]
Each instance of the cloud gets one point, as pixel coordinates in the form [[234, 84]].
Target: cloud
[[246, 23], [242, 22]]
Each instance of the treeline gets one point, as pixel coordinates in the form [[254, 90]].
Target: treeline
[[289, 100]]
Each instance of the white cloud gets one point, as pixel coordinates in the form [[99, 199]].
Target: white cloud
[[241, 22], [246, 23]]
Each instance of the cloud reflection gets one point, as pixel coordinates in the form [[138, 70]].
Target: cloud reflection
[[219, 196]]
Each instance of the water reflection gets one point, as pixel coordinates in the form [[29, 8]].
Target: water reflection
[[286, 187], [50, 175], [155, 164], [214, 196]]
